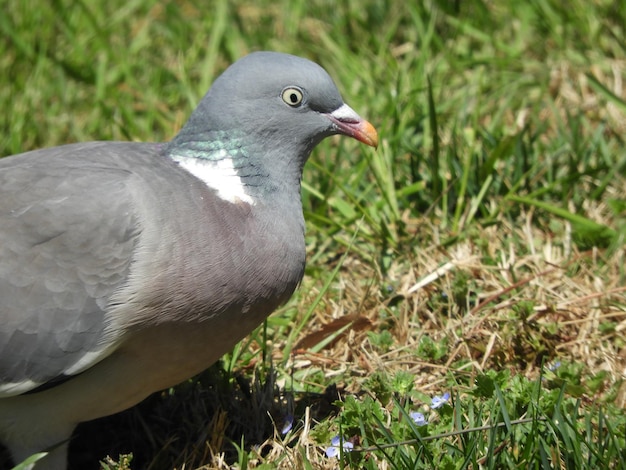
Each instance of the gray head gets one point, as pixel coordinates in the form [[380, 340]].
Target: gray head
[[273, 108]]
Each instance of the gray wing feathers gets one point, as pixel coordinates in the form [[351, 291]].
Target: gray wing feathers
[[67, 235]]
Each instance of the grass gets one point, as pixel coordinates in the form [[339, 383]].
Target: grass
[[481, 245]]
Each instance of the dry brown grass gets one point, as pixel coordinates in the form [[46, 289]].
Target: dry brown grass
[[576, 302]]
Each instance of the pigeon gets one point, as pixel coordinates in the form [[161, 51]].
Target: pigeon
[[127, 268]]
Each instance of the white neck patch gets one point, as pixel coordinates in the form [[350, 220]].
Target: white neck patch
[[218, 174]]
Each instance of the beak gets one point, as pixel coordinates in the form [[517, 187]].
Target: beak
[[346, 121]]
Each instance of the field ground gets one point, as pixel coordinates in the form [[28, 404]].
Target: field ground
[[478, 252]]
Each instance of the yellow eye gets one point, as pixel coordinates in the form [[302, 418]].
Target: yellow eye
[[292, 96]]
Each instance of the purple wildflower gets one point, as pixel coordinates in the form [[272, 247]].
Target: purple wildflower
[[439, 401], [333, 449], [418, 418], [555, 366], [287, 424]]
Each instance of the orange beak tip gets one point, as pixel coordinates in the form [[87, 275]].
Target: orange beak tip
[[369, 134]]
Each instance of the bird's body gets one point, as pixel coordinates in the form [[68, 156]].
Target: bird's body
[[126, 268]]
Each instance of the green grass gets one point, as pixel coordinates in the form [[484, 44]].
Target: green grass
[[483, 240]]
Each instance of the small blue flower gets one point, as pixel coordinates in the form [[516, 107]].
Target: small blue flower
[[555, 366], [287, 424], [333, 450], [418, 418], [439, 401]]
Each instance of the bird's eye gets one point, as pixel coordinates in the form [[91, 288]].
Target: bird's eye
[[292, 96]]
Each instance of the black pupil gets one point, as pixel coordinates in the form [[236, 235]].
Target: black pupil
[[293, 98]]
